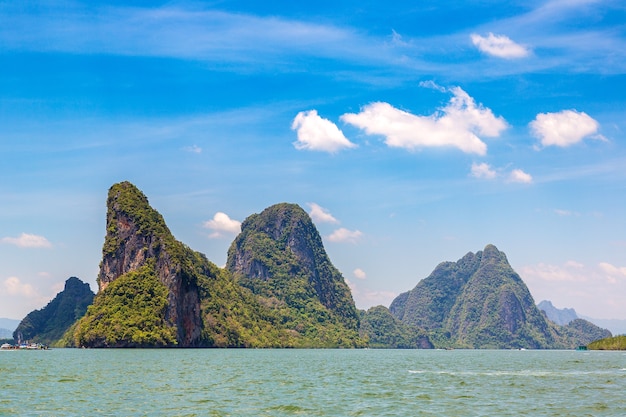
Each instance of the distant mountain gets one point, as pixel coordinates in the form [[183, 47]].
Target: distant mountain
[[616, 326], [559, 316], [481, 302], [566, 315], [9, 324], [49, 324], [280, 257]]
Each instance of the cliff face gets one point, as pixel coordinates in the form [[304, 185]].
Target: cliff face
[[279, 255], [136, 234], [480, 302], [50, 323], [155, 291]]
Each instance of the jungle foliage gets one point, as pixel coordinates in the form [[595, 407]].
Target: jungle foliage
[[610, 343]]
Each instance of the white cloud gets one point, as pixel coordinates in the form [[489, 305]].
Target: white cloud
[[318, 134], [486, 171], [344, 235], [320, 214], [500, 46], [554, 273], [13, 286], [564, 128], [455, 125], [483, 170], [221, 223], [26, 240], [517, 175], [612, 270], [359, 273]]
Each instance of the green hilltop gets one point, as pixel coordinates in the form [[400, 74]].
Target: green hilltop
[[481, 302], [156, 291]]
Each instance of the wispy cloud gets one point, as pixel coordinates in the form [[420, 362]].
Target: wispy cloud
[[184, 32], [14, 286], [613, 273], [487, 172], [344, 235], [318, 134], [366, 297], [26, 240], [499, 46], [455, 125], [320, 214], [222, 223], [564, 128], [483, 170]]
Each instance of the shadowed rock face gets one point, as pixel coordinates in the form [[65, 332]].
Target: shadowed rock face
[[136, 233]]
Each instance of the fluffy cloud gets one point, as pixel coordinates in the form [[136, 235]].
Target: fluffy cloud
[[320, 214], [499, 45], [570, 272], [318, 134], [221, 223], [26, 240], [359, 273], [613, 272], [344, 235], [517, 175], [486, 171], [455, 125], [483, 170], [564, 128]]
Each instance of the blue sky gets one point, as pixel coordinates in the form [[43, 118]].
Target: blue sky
[[412, 134]]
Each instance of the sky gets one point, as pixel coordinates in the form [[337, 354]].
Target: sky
[[411, 132]]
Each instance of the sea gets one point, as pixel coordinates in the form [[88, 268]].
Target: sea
[[324, 382]]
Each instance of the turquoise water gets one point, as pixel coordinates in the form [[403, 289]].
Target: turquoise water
[[74, 382]]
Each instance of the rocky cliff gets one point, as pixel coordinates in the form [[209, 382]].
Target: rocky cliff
[[49, 324], [136, 233], [481, 302], [280, 257], [155, 291]]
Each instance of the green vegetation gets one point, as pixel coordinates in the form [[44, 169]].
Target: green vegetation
[[610, 343], [280, 289], [480, 302], [279, 257], [380, 329], [48, 325], [129, 312]]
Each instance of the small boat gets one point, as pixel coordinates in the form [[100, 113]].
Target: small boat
[[7, 346]]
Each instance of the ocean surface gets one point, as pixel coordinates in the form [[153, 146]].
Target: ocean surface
[[168, 382]]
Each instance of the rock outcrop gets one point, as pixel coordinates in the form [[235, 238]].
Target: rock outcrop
[[481, 302], [155, 291], [136, 233], [280, 257]]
